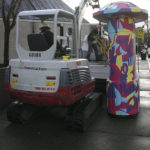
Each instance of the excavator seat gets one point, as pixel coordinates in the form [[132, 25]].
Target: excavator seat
[[37, 42]]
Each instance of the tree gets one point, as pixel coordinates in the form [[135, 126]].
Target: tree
[[9, 14], [147, 38]]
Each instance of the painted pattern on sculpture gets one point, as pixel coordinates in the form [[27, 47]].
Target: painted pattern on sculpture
[[123, 89], [123, 83], [121, 8]]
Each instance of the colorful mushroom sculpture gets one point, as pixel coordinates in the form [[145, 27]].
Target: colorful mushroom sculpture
[[123, 83]]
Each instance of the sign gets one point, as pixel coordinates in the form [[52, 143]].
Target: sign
[[140, 33], [50, 83]]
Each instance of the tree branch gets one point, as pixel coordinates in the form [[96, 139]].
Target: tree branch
[[14, 14], [3, 11], [11, 9]]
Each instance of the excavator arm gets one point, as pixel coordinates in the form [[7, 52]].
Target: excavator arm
[[79, 13]]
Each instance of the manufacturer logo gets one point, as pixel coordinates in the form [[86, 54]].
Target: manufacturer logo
[[34, 54]]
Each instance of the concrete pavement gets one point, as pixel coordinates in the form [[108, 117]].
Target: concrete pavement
[[144, 74], [105, 133]]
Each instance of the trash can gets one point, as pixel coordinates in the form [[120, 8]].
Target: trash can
[[143, 54]]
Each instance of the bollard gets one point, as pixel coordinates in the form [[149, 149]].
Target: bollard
[[123, 83]]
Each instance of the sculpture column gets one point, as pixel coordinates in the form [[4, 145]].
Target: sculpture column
[[123, 83]]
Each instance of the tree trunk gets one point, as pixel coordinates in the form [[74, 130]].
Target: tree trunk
[[6, 47]]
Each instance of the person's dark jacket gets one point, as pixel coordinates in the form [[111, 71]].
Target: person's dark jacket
[[93, 33]]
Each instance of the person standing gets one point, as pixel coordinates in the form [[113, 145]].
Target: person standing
[[49, 36], [92, 44]]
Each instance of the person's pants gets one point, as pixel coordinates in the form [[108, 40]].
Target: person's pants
[[93, 46]]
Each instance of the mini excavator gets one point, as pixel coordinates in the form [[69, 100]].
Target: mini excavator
[[50, 75]]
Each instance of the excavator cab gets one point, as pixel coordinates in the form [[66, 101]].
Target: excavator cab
[[39, 36]]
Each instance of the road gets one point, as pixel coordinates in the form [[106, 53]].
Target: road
[[47, 130]]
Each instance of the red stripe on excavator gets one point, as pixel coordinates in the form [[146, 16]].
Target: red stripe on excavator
[[15, 75], [64, 95]]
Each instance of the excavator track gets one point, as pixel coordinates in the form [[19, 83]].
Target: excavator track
[[80, 114], [20, 113], [14, 112]]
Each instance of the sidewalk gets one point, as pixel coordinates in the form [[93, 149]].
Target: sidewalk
[[144, 75]]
